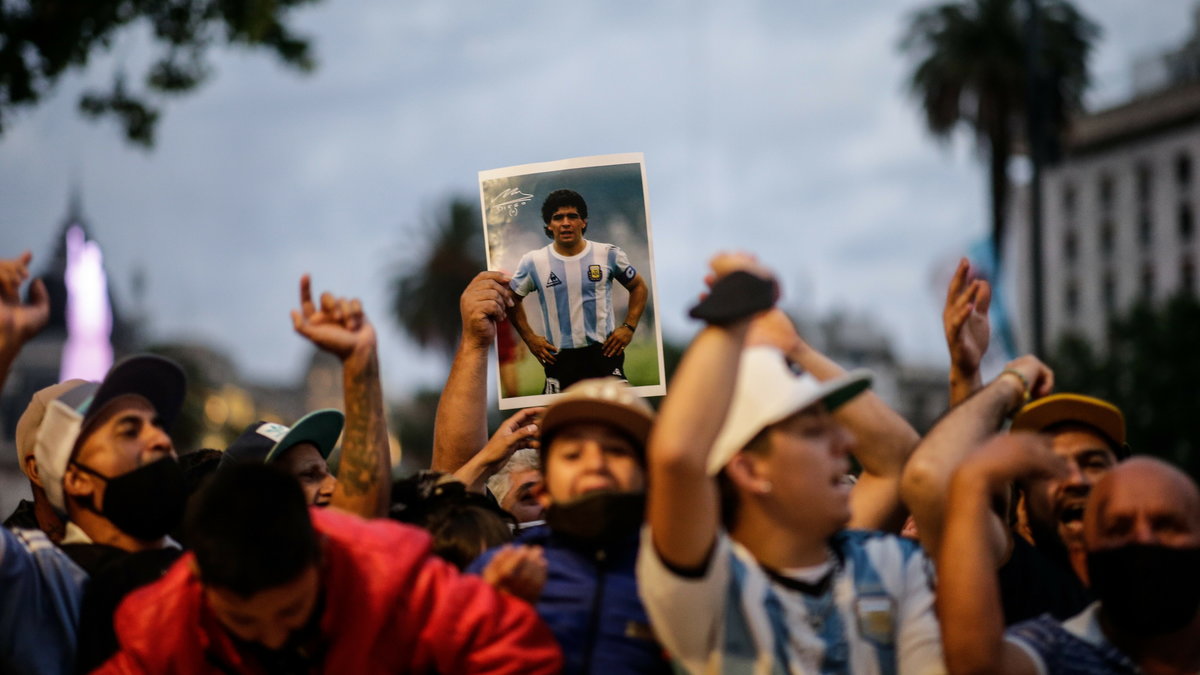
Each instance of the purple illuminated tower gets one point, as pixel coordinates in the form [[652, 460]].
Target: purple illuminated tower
[[87, 353]]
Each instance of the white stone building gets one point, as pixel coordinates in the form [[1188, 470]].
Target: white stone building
[[1119, 209]]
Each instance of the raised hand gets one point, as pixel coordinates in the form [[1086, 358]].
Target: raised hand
[[965, 319], [725, 263], [519, 570], [20, 321], [774, 328], [484, 302], [1017, 456], [1036, 378], [518, 431], [337, 326]]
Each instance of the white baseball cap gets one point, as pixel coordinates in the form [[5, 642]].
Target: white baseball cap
[[768, 391]]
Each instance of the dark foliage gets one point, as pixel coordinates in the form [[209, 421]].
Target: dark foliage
[[1150, 370], [41, 40]]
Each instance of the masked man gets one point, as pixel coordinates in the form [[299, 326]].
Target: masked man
[[1141, 533], [106, 461]]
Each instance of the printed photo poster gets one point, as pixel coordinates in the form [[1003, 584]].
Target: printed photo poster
[[574, 236]]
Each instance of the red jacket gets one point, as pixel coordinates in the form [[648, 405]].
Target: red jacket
[[390, 607]]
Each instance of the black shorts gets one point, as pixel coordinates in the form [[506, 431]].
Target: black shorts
[[573, 365]]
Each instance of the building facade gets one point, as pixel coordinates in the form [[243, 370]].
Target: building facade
[[1119, 209]]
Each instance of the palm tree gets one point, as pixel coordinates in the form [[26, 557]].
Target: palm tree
[[427, 282], [972, 68]]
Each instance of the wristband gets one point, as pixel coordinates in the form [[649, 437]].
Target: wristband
[[630, 327], [737, 295], [1025, 393]]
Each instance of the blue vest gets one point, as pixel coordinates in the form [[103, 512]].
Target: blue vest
[[591, 604]]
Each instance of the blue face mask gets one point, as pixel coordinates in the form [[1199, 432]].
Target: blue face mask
[[144, 503], [1146, 590]]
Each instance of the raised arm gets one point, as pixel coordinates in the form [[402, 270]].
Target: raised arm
[[340, 327], [19, 321], [927, 475], [516, 432], [968, 595], [683, 504], [884, 439], [965, 322], [460, 428]]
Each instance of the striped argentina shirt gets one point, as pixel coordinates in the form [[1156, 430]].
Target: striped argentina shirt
[[575, 293], [874, 618]]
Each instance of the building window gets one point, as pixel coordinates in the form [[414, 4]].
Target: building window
[[1183, 169], [1147, 283], [1187, 276], [1145, 228], [1145, 183], [1072, 298], [1107, 238], [1186, 226], [1108, 288], [1106, 193], [1070, 246]]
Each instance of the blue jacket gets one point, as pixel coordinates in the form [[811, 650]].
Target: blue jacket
[[590, 601]]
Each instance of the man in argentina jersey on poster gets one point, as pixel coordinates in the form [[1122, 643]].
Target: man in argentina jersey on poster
[[573, 279]]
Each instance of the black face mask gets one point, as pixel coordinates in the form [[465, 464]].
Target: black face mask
[[146, 502], [1146, 590], [599, 517]]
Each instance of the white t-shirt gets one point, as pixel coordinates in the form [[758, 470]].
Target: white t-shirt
[[874, 616]]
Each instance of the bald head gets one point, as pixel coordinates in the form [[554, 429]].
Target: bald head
[[1143, 501]]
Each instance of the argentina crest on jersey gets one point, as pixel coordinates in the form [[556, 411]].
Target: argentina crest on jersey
[[876, 618], [594, 273]]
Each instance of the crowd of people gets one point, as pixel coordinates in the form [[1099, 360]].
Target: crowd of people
[[773, 516]]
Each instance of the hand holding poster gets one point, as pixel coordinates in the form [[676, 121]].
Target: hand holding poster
[[574, 235]]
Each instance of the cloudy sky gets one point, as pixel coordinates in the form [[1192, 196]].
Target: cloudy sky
[[777, 127]]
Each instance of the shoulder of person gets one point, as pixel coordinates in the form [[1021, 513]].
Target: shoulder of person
[[377, 537], [888, 554]]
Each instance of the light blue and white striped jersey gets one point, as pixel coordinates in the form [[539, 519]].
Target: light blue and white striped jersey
[[40, 604], [575, 292], [875, 618], [1077, 645]]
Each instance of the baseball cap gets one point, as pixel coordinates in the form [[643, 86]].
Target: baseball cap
[[262, 441], [768, 391], [604, 400], [1058, 408], [66, 416], [31, 419]]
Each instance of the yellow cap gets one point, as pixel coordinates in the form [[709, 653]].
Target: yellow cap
[[1059, 408]]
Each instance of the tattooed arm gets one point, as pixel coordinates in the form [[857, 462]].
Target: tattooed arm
[[339, 326]]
